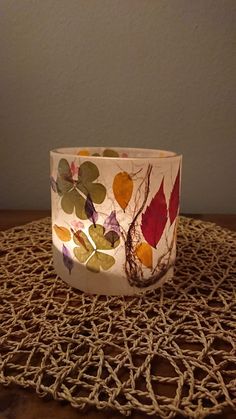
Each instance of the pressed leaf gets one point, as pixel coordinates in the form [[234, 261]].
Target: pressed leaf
[[71, 200], [95, 154], [100, 260], [82, 235], [80, 207], [83, 153], [64, 168], [144, 254], [74, 200], [112, 237], [105, 261], [74, 193], [90, 210], [97, 192], [88, 172], [64, 178], [82, 187], [93, 264], [82, 254], [155, 217], [111, 223], [81, 239], [110, 153], [84, 249], [123, 189], [68, 262], [68, 201], [62, 233], [174, 199], [97, 233]]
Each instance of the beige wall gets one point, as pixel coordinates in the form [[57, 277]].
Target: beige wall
[[148, 73]]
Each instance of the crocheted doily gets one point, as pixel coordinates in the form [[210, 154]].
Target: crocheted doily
[[168, 352]]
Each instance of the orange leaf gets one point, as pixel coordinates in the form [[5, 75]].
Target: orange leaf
[[62, 233], [144, 253], [83, 153], [123, 189]]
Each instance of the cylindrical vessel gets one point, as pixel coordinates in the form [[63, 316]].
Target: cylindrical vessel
[[114, 217]]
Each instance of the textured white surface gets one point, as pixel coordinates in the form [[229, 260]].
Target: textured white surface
[[128, 73]]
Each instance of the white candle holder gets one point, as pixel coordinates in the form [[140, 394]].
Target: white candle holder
[[114, 217]]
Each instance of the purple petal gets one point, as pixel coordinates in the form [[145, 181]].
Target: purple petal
[[68, 262], [90, 210], [111, 223], [53, 184]]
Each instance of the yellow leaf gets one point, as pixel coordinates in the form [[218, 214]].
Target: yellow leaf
[[62, 233], [144, 253], [83, 153], [123, 189]]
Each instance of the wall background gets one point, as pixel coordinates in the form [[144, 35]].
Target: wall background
[[145, 73]]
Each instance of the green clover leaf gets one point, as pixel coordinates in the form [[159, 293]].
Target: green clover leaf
[[75, 192], [99, 237], [89, 253], [110, 153], [85, 249], [100, 260]]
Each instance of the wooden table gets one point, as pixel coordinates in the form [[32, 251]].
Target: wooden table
[[11, 218], [19, 403]]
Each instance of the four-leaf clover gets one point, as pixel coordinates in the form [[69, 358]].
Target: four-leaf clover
[[75, 192]]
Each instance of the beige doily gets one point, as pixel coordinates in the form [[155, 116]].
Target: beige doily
[[169, 352]]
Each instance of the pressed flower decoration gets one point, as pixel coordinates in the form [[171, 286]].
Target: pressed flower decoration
[[80, 193], [93, 253]]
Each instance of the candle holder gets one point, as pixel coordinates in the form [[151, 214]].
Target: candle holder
[[114, 217]]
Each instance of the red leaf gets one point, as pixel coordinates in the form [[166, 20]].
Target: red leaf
[[174, 199], [155, 217]]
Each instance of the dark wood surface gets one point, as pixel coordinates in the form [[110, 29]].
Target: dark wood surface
[[11, 218], [19, 403]]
